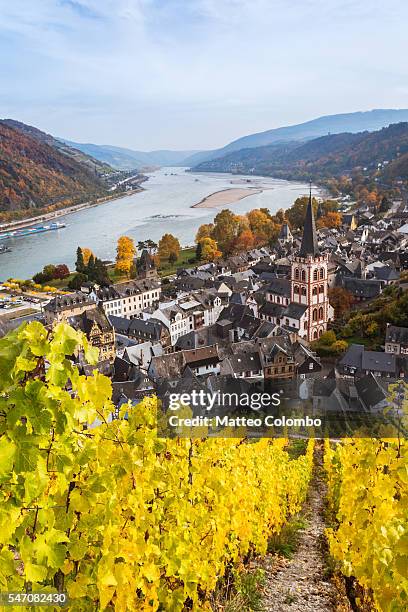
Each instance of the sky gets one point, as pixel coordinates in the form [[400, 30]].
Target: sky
[[196, 74]]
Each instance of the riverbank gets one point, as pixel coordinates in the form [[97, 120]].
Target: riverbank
[[226, 197], [163, 206], [60, 212]]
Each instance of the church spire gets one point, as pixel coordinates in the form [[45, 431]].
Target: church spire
[[309, 240]]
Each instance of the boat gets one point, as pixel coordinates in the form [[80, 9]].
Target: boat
[[4, 249], [28, 231]]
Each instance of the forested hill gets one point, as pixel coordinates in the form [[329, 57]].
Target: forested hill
[[83, 158], [324, 157], [34, 174]]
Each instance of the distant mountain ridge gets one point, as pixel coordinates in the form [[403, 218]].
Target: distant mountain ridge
[[128, 159], [384, 152], [334, 124]]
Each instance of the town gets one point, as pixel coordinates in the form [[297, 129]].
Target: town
[[261, 316]]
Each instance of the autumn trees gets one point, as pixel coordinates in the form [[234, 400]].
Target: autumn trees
[[169, 248], [231, 234], [125, 253]]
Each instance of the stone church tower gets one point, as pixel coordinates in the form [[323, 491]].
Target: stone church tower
[[309, 285]]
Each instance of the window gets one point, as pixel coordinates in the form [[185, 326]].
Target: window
[[320, 313], [303, 275], [314, 338], [321, 272], [320, 332], [303, 290], [315, 275], [321, 288], [296, 289], [314, 292], [314, 316], [296, 274]]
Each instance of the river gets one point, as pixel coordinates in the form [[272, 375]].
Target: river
[[164, 206]]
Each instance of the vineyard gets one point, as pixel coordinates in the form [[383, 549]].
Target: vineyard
[[368, 493], [112, 514], [119, 519]]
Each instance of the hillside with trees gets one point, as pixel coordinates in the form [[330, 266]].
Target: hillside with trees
[[36, 175], [381, 155], [86, 160]]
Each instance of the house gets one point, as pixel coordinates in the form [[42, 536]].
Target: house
[[242, 365], [396, 340], [142, 330], [362, 289], [307, 362], [129, 299], [279, 364], [371, 394], [203, 361], [98, 329], [387, 275], [358, 361], [63, 307], [200, 361]]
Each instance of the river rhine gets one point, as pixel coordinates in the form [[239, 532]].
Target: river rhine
[[164, 206]]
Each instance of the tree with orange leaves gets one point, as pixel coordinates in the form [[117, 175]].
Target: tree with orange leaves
[[330, 220], [245, 241]]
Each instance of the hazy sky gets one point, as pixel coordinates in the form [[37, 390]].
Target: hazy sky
[[192, 74]]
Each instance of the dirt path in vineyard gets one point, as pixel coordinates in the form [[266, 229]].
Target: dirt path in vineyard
[[302, 583]]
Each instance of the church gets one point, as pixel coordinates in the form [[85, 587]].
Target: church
[[300, 303]]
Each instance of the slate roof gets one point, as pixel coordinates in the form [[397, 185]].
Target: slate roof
[[369, 391], [295, 311], [68, 301], [360, 287], [386, 273], [398, 335], [86, 320], [271, 310], [374, 361], [245, 362], [280, 286]]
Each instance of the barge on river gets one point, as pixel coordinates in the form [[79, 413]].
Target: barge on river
[[28, 231]]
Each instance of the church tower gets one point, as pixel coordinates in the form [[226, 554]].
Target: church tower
[[309, 286]]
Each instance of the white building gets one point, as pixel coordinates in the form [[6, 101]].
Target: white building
[[129, 299]]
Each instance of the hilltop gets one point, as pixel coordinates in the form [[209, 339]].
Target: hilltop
[[383, 153], [35, 173], [128, 159], [322, 126]]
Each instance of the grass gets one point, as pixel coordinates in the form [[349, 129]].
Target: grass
[[167, 269], [243, 591], [60, 283], [285, 542], [369, 343]]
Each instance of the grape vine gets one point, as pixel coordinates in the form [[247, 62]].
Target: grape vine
[[105, 510], [368, 492]]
